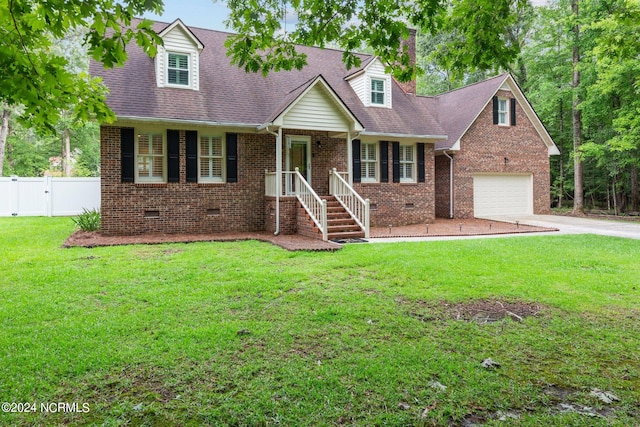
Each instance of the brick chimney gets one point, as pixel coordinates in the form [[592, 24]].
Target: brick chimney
[[410, 86]]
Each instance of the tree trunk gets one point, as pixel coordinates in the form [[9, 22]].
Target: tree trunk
[[4, 133], [561, 189], [635, 193], [578, 197], [66, 137]]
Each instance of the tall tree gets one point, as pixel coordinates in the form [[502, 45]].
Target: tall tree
[[578, 184], [4, 132], [262, 45], [33, 77]]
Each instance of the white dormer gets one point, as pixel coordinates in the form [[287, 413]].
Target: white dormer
[[372, 85], [178, 61]]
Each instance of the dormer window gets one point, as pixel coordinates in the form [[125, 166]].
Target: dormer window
[[178, 69], [178, 58], [372, 85], [377, 91]]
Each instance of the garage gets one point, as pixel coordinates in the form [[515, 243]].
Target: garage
[[502, 194]]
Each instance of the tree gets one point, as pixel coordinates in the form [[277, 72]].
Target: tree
[[612, 105], [34, 77], [4, 132], [576, 116], [479, 29]]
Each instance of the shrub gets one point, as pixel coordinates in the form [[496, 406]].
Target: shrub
[[88, 220]]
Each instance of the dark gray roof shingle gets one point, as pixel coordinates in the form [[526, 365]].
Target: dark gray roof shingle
[[230, 95]]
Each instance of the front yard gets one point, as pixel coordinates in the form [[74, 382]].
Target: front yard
[[249, 334]]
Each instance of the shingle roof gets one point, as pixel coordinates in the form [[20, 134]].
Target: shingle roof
[[230, 95], [458, 109]]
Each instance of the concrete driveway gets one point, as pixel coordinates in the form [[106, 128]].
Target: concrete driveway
[[575, 225]]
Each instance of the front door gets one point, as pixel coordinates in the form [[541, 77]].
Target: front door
[[298, 156]]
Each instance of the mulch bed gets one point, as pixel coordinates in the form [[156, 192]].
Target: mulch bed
[[441, 227], [288, 242], [456, 227]]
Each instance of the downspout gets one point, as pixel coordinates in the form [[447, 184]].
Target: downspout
[[450, 183], [278, 136]]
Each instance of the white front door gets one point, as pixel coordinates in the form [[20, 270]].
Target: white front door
[[298, 156]]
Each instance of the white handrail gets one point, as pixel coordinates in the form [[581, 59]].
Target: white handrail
[[285, 186], [357, 207], [312, 203]]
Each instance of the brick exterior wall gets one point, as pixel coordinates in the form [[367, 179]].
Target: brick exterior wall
[[402, 203], [288, 215], [483, 150], [443, 186], [184, 207]]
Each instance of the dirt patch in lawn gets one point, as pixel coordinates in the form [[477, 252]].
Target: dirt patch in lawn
[[480, 311]]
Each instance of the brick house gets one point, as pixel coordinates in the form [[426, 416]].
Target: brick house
[[200, 146]]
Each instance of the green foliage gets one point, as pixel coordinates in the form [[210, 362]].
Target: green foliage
[[148, 334], [88, 220], [34, 76], [479, 32]]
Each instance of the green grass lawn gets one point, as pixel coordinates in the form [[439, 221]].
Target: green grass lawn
[[248, 334]]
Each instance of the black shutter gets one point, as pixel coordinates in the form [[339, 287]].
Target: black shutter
[[191, 139], [384, 161], [512, 110], [232, 157], [355, 154], [420, 147], [127, 154], [395, 152], [495, 110], [173, 155]]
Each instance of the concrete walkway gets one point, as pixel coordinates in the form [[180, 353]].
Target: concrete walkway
[[577, 225]]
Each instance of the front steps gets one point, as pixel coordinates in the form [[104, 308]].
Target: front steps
[[340, 224]]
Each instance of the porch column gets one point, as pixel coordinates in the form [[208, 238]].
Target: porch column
[[278, 177], [350, 157]]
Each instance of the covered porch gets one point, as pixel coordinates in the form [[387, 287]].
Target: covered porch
[[310, 190]]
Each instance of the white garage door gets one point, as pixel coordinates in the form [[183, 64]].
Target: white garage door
[[502, 194]]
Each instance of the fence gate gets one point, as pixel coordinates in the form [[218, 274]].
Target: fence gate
[[48, 196]]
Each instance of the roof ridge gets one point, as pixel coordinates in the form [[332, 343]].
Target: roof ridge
[[472, 84]]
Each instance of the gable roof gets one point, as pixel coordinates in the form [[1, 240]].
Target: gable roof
[[179, 24], [228, 95], [458, 110], [295, 96]]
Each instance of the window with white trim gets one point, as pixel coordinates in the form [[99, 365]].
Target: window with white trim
[[407, 163], [211, 164], [368, 162], [377, 91], [150, 157], [178, 69], [503, 111]]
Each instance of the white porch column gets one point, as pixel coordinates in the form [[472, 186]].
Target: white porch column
[[350, 157], [278, 177]]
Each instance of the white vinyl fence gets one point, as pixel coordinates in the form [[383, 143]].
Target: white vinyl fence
[[48, 196]]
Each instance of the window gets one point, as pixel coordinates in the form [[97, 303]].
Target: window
[[178, 69], [368, 163], [503, 112], [377, 91], [150, 158], [211, 159], [407, 163]]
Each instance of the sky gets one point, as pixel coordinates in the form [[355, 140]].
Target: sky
[[194, 13], [207, 13]]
